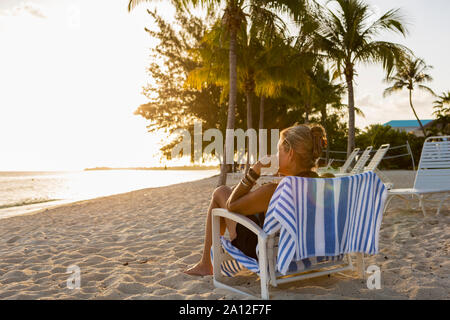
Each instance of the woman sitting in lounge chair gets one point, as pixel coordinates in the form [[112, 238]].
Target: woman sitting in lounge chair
[[299, 148]]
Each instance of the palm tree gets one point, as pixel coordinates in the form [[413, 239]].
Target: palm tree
[[260, 47], [233, 17], [327, 94], [442, 112], [410, 72], [442, 105], [347, 38]]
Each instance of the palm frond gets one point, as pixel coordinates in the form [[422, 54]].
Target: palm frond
[[410, 72], [392, 20], [425, 88], [359, 112], [391, 90], [386, 53]]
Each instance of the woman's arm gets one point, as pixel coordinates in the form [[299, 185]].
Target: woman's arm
[[247, 203]]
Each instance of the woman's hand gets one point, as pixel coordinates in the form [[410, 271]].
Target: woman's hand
[[261, 163]]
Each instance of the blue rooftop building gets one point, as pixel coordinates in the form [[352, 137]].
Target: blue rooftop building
[[412, 126]]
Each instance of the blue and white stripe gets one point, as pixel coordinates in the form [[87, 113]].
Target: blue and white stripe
[[229, 268], [326, 217], [321, 220]]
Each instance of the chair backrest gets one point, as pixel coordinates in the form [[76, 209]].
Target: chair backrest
[[434, 166], [349, 160], [325, 216], [359, 166], [379, 155]]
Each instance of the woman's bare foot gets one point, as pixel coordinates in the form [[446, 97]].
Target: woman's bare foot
[[200, 269]]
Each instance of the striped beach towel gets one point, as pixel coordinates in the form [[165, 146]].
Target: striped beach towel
[[326, 217]]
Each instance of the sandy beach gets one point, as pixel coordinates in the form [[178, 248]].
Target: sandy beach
[[134, 246]]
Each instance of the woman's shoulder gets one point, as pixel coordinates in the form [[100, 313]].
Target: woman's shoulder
[[269, 186], [314, 174], [327, 175], [308, 174]]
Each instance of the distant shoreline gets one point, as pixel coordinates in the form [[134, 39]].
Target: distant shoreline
[[14, 209], [156, 168]]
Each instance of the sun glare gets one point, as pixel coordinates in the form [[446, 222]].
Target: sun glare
[[71, 78], [71, 75]]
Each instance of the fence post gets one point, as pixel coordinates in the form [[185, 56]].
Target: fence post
[[410, 152]]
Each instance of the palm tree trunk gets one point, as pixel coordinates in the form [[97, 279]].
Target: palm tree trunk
[[324, 119], [262, 101], [307, 114], [261, 112], [231, 104], [351, 116], [249, 96], [420, 123]]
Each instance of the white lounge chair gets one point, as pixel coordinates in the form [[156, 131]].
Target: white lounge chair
[[342, 218], [359, 166], [348, 162], [375, 161], [344, 168], [433, 174], [362, 160]]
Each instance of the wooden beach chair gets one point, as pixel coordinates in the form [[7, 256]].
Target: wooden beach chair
[[432, 177], [310, 229]]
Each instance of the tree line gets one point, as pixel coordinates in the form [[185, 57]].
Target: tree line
[[292, 61]]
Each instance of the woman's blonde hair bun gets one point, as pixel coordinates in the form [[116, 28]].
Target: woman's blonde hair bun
[[319, 139], [307, 140]]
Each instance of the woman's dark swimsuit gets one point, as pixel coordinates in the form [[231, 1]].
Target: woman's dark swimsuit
[[246, 240]]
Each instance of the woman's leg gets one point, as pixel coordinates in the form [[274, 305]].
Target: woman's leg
[[219, 199]]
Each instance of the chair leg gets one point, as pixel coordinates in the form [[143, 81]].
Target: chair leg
[[217, 249], [263, 268], [440, 203], [422, 205], [360, 265], [265, 287], [407, 201], [388, 201]]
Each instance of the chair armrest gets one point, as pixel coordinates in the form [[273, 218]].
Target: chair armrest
[[241, 219]]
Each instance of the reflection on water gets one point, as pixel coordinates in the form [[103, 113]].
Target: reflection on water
[[21, 192]]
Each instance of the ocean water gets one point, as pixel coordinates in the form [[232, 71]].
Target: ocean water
[[24, 192]]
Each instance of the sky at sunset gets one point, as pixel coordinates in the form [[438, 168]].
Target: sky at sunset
[[72, 71]]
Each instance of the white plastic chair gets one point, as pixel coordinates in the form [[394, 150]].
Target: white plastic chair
[[349, 161], [376, 159], [432, 177], [268, 242], [359, 166]]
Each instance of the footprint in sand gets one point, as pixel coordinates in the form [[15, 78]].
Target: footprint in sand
[[13, 239]]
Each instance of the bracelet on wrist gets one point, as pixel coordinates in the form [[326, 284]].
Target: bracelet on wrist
[[246, 183], [249, 179], [252, 173]]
